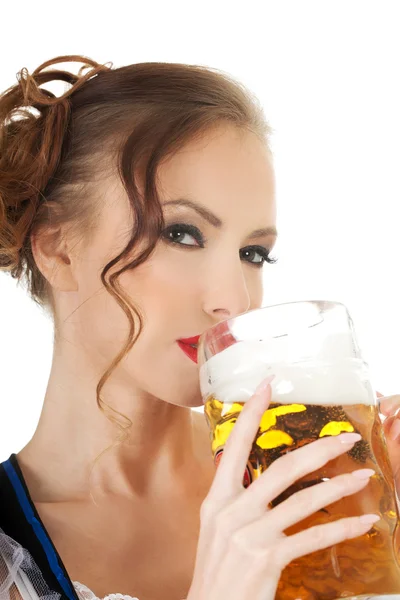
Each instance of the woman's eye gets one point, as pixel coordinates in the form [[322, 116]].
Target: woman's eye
[[184, 235], [189, 236], [256, 255]]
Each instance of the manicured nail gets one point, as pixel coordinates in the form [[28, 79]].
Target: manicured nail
[[349, 438], [369, 519], [394, 432], [262, 387], [363, 473]]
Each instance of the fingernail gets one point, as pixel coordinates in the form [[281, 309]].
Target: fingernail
[[349, 438], [261, 388], [369, 519], [394, 432], [363, 473]]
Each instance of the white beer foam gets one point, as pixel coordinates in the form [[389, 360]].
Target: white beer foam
[[233, 375]]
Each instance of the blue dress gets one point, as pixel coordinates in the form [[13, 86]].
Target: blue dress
[[29, 560]]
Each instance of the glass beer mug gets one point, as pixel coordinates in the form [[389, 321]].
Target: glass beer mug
[[321, 388]]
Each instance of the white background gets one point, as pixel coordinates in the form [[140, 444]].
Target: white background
[[328, 76]]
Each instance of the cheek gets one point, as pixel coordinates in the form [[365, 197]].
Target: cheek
[[103, 326], [255, 288], [163, 283], [100, 324]]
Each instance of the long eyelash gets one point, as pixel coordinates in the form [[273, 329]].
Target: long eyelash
[[264, 253]]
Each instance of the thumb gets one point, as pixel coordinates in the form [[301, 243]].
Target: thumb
[[391, 428]]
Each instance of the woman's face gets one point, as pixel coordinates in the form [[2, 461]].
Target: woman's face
[[216, 195]]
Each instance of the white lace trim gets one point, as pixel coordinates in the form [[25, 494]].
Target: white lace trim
[[84, 593]]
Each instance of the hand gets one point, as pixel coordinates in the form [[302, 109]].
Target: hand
[[242, 549], [389, 406]]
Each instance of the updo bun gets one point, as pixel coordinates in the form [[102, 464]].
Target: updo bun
[[33, 122]]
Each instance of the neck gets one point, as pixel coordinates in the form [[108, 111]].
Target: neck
[[162, 452]]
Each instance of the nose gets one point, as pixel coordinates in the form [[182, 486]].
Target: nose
[[226, 294]]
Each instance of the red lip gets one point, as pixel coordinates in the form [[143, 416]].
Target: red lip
[[185, 345], [189, 351], [191, 340]]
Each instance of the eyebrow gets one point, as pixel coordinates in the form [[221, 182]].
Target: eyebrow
[[214, 220]]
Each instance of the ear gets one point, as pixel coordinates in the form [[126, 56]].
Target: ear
[[54, 258]]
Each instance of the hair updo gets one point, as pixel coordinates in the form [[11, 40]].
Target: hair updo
[[127, 120]]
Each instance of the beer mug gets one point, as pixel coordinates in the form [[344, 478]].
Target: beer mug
[[321, 388]]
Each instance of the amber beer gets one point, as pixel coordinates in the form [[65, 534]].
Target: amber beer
[[321, 388], [363, 565], [312, 399]]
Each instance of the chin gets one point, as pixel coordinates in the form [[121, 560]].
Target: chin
[[183, 389], [196, 403], [188, 396]]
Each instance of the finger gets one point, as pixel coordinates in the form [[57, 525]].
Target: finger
[[307, 502], [323, 536], [389, 405], [238, 445], [287, 469], [391, 428]]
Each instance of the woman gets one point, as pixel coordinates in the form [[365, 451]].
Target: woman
[[139, 207]]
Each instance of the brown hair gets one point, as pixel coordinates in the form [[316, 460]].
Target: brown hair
[[52, 150]]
